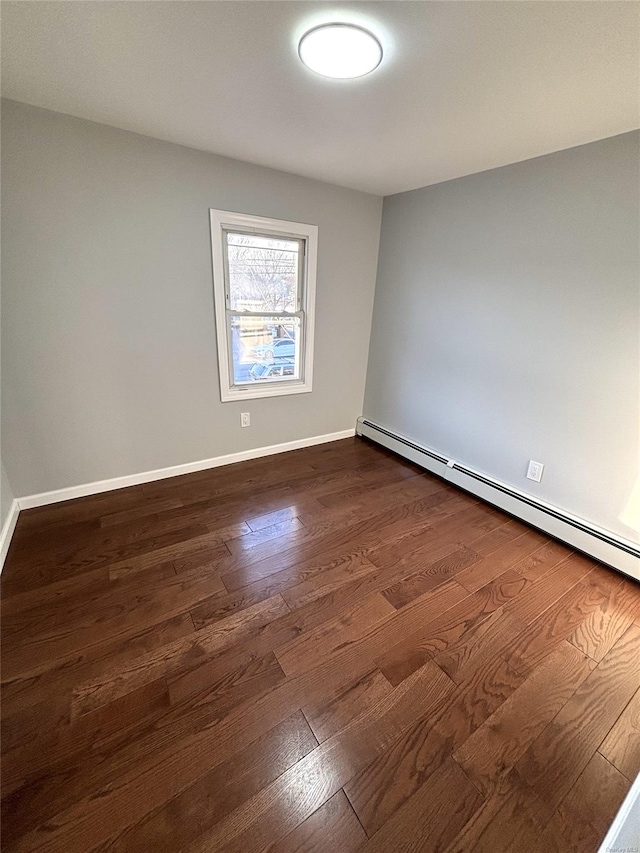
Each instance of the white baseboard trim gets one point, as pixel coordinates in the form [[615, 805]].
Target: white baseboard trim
[[603, 545], [44, 498], [7, 530]]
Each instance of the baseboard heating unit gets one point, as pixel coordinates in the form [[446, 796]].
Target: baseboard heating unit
[[603, 545]]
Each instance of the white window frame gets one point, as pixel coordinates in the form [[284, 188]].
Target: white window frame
[[225, 219]]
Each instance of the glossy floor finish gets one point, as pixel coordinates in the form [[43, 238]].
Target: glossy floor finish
[[326, 650]]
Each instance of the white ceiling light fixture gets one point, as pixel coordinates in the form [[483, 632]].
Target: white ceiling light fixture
[[341, 51]]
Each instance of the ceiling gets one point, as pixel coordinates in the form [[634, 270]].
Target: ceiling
[[463, 86]]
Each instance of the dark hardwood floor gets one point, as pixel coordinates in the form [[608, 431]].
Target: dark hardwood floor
[[326, 650]]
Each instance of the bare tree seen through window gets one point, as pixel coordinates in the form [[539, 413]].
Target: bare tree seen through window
[[262, 273]]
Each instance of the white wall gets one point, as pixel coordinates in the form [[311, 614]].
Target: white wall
[[109, 361], [506, 325], [6, 495]]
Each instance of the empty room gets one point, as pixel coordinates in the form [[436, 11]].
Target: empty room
[[320, 426]]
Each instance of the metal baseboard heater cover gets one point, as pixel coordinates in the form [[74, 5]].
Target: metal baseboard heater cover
[[602, 545]]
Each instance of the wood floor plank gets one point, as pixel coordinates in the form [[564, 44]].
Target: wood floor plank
[[321, 774], [409, 654], [361, 497], [117, 747], [83, 542], [63, 642], [585, 814], [405, 590], [152, 551], [40, 518], [240, 544], [320, 609], [597, 635], [327, 717], [460, 524], [505, 822], [381, 788], [140, 510], [369, 480], [491, 684], [24, 690], [273, 813], [101, 604], [352, 660], [216, 550], [184, 744], [481, 573], [555, 625], [552, 586], [621, 747], [38, 611], [488, 542], [543, 560], [91, 548], [226, 787], [26, 725], [301, 654], [279, 655], [29, 599], [497, 745], [484, 641], [322, 583], [348, 576], [348, 579], [36, 789], [431, 818], [386, 783], [555, 760], [333, 826], [260, 522], [216, 677], [226, 514], [174, 658], [28, 765], [403, 522]]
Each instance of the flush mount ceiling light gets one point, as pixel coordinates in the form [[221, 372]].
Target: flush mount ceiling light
[[340, 50]]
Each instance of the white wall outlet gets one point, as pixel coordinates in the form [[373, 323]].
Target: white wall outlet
[[534, 471], [245, 419]]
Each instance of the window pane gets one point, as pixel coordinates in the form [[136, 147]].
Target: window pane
[[265, 349], [263, 272]]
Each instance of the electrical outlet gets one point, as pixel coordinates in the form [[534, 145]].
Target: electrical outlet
[[534, 471], [245, 419]]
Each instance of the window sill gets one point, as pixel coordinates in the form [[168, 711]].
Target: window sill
[[228, 395]]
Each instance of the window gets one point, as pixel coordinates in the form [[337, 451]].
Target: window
[[264, 273]]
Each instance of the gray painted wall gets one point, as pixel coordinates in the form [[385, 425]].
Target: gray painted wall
[[6, 495], [506, 324], [109, 355]]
